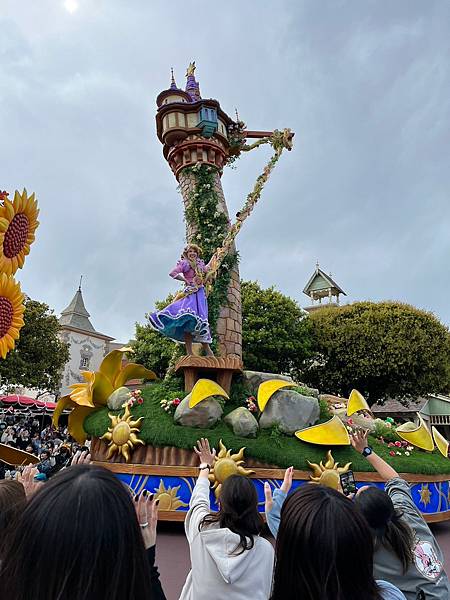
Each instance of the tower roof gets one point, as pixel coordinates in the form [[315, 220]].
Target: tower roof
[[77, 317], [319, 280], [192, 86]]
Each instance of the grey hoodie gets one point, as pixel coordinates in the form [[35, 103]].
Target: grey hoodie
[[217, 571], [426, 577]]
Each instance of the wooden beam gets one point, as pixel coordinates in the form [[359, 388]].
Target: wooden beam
[[259, 134]]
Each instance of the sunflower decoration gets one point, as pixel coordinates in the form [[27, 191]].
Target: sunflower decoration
[[97, 387], [18, 223], [168, 497], [327, 474], [226, 464], [11, 313], [122, 434]]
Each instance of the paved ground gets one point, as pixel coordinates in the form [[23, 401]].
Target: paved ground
[[173, 554]]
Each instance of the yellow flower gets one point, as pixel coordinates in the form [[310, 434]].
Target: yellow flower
[[11, 313], [95, 391], [18, 222]]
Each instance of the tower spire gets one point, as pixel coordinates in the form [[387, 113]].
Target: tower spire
[[81, 279], [173, 85]]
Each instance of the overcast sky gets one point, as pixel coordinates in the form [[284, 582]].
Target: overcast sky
[[365, 86]]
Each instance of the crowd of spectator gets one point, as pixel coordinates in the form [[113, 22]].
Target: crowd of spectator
[[53, 446], [372, 545]]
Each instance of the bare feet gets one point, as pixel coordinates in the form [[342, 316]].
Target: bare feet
[[207, 350]]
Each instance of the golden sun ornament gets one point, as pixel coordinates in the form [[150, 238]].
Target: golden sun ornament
[[327, 474], [425, 494], [226, 464], [122, 434], [168, 499], [11, 313], [18, 222]]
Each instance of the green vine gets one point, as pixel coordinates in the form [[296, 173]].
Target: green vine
[[210, 225]]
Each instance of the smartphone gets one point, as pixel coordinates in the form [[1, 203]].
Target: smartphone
[[348, 483]]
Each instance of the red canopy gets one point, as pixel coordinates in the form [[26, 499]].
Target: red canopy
[[25, 401]]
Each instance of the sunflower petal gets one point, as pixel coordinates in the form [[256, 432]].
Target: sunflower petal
[[111, 365], [63, 402], [133, 371], [101, 389], [75, 423]]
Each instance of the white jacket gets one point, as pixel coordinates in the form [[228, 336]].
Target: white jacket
[[217, 573]]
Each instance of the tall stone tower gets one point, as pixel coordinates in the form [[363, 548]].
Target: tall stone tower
[[195, 131]]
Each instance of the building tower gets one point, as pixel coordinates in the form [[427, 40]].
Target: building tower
[[86, 345], [195, 130], [319, 286]]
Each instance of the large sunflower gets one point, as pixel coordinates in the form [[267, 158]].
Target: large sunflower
[[11, 313], [94, 393], [18, 222]]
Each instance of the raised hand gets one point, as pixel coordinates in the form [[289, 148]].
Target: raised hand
[[203, 451], [81, 458], [147, 515], [26, 478], [287, 481], [268, 498], [359, 440]]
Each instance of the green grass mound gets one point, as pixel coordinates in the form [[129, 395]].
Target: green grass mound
[[271, 446]]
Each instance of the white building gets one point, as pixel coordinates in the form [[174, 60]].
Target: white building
[[87, 346]]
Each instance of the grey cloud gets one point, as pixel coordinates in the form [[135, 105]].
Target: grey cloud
[[365, 86]]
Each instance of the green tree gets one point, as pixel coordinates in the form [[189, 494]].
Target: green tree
[[39, 357], [275, 331], [152, 349], [384, 349]]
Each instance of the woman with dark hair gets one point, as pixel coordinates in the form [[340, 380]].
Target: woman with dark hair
[[406, 552], [324, 549], [229, 560], [84, 517], [12, 503]]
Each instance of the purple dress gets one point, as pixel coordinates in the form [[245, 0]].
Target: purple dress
[[188, 314]]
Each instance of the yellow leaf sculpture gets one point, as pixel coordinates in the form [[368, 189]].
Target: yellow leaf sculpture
[[331, 433], [95, 391], [268, 388], [205, 388], [417, 435], [440, 442], [356, 402]]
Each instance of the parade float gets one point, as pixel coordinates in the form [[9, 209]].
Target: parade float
[[259, 423]]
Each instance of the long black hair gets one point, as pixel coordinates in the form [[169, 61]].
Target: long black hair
[[324, 549], [84, 521], [388, 528], [12, 504], [238, 511]]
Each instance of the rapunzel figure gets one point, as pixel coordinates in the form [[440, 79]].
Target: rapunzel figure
[[186, 318]]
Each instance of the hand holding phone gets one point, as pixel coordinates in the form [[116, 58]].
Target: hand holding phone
[[348, 483]]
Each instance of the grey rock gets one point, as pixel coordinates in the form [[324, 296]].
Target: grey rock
[[290, 411], [242, 422], [204, 414], [118, 397], [253, 379]]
